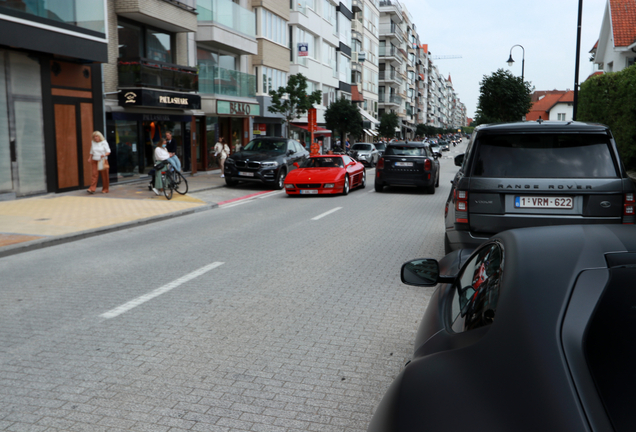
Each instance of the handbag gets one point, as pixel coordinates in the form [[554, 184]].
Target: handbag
[[102, 165]]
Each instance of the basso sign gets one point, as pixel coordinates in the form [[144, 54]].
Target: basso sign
[[153, 98], [237, 108]]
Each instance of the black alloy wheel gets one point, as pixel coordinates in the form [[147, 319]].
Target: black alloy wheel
[[280, 181], [363, 182]]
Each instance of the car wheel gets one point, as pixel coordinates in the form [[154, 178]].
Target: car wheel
[[430, 189], [345, 188], [378, 187], [363, 183], [372, 163], [447, 246], [230, 181], [280, 181], [437, 182]]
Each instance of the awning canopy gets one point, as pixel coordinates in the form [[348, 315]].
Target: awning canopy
[[319, 130], [370, 132], [368, 116]]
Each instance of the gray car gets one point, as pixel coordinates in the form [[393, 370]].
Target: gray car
[[529, 174], [365, 153]]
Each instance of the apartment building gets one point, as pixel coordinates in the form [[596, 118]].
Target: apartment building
[[50, 93], [393, 57], [150, 82], [365, 60]]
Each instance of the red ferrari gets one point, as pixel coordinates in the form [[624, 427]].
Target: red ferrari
[[326, 174]]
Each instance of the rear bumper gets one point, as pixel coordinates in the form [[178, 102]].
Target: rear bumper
[[405, 180]]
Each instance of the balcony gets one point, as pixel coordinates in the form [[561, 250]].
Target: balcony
[[392, 77], [142, 72], [86, 14], [219, 81], [175, 16], [390, 54], [391, 7], [229, 14], [392, 30], [357, 5], [390, 99]]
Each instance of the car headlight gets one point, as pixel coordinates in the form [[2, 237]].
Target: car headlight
[[329, 185], [289, 186], [230, 161], [273, 164]]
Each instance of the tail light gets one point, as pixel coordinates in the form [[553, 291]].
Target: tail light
[[380, 164], [629, 204], [427, 165], [461, 206]]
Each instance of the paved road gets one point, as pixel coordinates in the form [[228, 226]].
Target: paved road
[[267, 314]]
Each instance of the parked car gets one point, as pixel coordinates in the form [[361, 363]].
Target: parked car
[[408, 164], [326, 174], [436, 149], [365, 153], [444, 145], [381, 147], [533, 331], [536, 173], [266, 160]]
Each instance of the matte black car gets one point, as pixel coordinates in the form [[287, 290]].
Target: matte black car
[[535, 331], [265, 160], [533, 174], [407, 164], [365, 153]]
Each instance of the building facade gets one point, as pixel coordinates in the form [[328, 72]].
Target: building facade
[[50, 93]]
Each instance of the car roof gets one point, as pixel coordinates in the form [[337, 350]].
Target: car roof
[[408, 143], [542, 127]]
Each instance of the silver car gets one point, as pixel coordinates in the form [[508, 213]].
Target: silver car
[[365, 153]]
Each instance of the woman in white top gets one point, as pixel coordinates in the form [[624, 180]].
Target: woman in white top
[[161, 154], [99, 151], [222, 151]]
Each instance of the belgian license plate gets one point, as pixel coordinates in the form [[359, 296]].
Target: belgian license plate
[[544, 202], [309, 191], [246, 174], [404, 164]]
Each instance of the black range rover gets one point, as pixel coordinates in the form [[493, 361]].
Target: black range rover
[[265, 160], [534, 174], [407, 164]]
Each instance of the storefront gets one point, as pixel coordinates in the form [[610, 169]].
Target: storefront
[[141, 119]]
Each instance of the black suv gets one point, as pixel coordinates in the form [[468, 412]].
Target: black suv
[[407, 164], [536, 173], [265, 160]]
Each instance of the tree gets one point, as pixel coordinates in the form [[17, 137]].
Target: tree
[[292, 101], [343, 116], [388, 123], [420, 130], [503, 98]]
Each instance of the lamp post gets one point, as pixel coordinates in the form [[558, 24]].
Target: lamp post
[[523, 59]]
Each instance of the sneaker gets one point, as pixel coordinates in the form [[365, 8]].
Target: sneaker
[[155, 191], [222, 175]]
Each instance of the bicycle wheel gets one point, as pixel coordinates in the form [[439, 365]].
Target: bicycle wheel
[[181, 186], [176, 176], [168, 185]]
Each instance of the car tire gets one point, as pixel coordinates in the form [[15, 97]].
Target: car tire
[[430, 189], [447, 246], [280, 180], [229, 181], [347, 185], [363, 183], [372, 164], [378, 187], [437, 182]]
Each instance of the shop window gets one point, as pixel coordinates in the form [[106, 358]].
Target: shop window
[[137, 40]]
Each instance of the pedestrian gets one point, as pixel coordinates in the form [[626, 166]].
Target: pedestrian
[[99, 162], [161, 154], [221, 151], [348, 146], [171, 147]]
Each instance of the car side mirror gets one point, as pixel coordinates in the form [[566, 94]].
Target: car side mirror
[[438, 155], [422, 272], [296, 165], [290, 152], [459, 159]]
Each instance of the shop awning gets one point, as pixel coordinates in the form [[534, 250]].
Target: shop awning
[[370, 132], [368, 116], [319, 130]]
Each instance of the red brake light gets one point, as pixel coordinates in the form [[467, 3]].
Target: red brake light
[[427, 165], [380, 164], [461, 206], [629, 208]]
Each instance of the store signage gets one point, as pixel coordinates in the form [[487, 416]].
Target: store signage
[[155, 98], [303, 49], [237, 108]]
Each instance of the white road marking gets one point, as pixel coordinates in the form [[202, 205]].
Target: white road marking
[[162, 290], [249, 198], [326, 213]]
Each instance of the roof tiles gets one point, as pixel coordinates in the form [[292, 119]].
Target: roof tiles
[[623, 13]]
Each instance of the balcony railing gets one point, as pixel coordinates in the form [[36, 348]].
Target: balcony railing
[[87, 14], [391, 51], [229, 14], [216, 80], [142, 72], [393, 99], [392, 3], [390, 76]]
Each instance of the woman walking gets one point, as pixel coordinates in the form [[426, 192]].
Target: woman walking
[[222, 151], [99, 159]]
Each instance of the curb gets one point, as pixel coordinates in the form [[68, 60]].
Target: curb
[[68, 238]]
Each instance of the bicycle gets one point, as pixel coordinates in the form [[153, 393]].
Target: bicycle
[[179, 181]]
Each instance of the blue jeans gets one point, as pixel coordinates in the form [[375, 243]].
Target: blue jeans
[[176, 163]]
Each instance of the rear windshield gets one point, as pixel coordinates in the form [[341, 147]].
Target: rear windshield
[[544, 156], [324, 162], [404, 151]]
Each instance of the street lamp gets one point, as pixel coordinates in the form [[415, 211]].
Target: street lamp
[[523, 59]]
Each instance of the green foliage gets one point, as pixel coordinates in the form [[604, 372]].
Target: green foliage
[[388, 123], [503, 98], [343, 116], [610, 99], [468, 129], [420, 130], [292, 101]]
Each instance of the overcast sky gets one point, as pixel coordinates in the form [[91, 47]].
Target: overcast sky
[[482, 32]]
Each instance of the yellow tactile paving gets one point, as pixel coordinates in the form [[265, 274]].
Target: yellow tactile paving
[[68, 214]]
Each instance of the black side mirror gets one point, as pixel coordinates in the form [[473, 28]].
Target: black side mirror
[[459, 159], [420, 272], [290, 152]]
